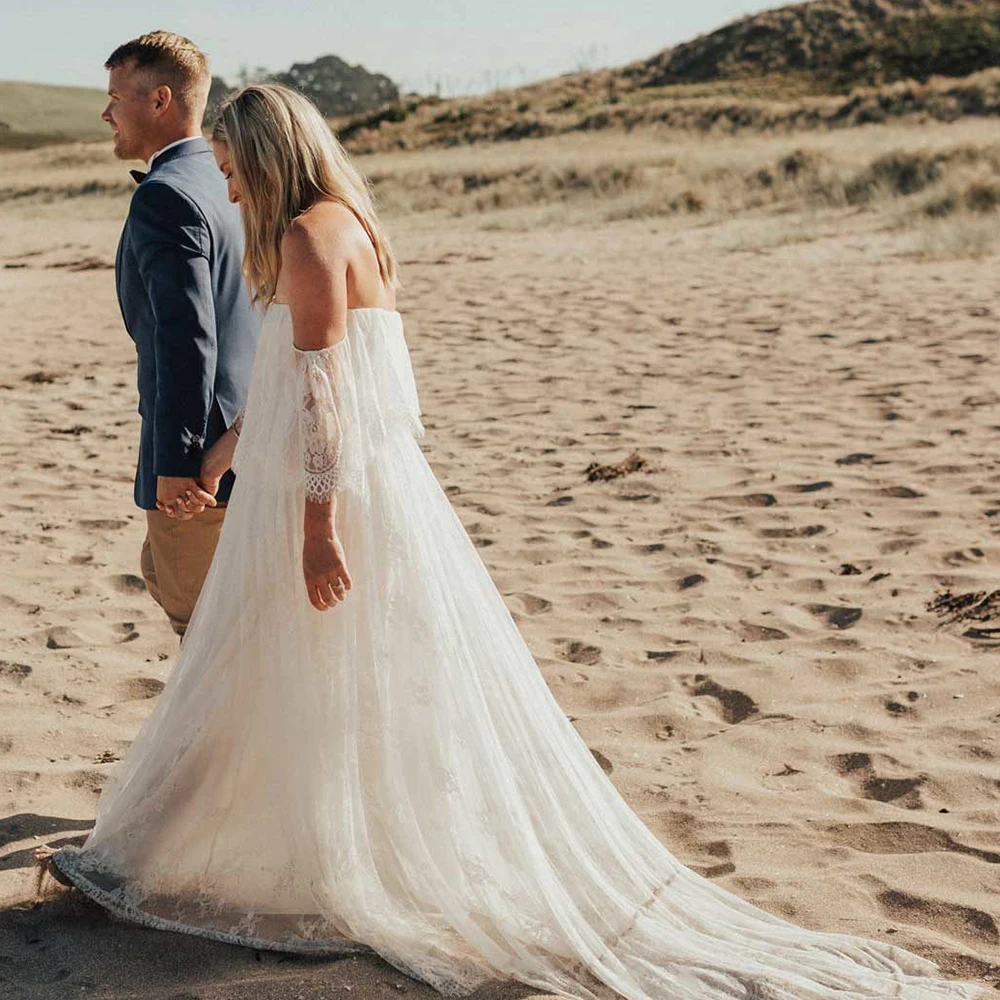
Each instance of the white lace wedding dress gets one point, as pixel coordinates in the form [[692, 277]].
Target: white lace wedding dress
[[393, 775]]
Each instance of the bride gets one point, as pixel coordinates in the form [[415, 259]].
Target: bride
[[355, 751]]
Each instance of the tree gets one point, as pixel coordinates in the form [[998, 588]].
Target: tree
[[338, 88]]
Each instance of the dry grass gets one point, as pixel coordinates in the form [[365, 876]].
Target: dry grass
[[939, 181], [962, 236], [608, 101], [56, 173]]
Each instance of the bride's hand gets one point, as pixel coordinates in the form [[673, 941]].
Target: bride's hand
[[327, 579], [217, 461]]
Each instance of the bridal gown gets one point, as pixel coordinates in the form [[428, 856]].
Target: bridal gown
[[393, 776]]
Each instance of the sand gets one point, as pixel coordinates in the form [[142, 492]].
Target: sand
[[739, 627]]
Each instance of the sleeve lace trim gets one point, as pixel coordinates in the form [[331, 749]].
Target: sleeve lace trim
[[319, 422]]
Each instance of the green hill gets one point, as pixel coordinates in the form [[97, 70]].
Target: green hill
[[31, 113]]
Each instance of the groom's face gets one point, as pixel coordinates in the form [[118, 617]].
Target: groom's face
[[131, 112]]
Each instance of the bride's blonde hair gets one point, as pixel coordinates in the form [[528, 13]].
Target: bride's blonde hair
[[285, 158]]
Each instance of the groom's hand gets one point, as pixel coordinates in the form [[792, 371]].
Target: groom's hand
[[181, 497]]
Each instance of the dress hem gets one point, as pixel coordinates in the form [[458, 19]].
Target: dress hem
[[113, 902]]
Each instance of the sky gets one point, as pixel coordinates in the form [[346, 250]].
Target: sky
[[445, 46]]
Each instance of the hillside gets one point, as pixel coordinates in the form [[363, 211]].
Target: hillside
[[825, 64], [838, 43], [599, 102], [31, 113]]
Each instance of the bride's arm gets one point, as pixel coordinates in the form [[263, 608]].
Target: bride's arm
[[314, 284], [219, 458]]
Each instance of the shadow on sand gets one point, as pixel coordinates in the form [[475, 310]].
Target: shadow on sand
[[61, 944]]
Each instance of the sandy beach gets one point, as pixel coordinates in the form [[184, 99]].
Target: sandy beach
[[739, 627]]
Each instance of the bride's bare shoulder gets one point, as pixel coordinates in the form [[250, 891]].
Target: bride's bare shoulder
[[316, 246], [325, 224]]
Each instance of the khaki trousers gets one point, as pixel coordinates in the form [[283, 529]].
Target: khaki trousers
[[175, 560]]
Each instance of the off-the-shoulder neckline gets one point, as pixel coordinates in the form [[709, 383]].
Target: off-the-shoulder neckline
[[357, 309]]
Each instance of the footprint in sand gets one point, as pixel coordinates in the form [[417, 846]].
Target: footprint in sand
[[103, 524], [606, 766], [13, 671], [43, 378], [595, 602], [806, 531], [903, 838], [75, 431], [62, 637], [83, 264], [86, 778], [839, 618], [759, 633], [139, 688], [950, 919], [903, 492], [860, 766], [483, 509], [691, 580], [717, 849], [734, 706], [637, 497], [903, 544], [749, 500], [64, 699], [533, 605], [580, 652], [129, 583]]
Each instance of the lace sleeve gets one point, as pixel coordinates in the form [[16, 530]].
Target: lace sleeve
[[237, 425], [319, 422]]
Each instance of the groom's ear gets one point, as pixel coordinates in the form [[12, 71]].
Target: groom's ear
[[163, 98]]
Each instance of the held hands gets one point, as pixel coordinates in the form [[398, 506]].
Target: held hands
[[182, 497], [326, 576]]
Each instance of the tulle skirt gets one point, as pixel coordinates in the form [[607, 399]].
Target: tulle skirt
[[394, 776]]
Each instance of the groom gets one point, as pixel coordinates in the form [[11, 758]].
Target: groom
[[178, 272]]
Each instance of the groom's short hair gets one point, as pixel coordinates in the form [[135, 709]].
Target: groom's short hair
[[165, 57]]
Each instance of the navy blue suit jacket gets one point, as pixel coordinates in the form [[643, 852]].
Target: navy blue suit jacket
[[180, 287]]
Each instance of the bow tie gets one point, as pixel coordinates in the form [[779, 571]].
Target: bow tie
[[137, 176]]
